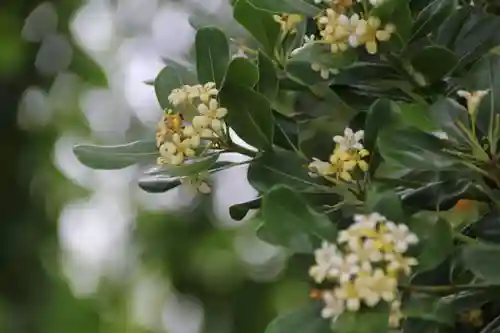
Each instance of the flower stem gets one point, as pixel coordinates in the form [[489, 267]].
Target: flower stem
[[241, 150]]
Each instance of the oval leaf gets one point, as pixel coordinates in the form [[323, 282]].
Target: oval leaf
[[212, 55], [242, 71], [115, 157], [304, 320]]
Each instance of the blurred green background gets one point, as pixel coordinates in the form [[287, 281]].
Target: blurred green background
[[87, 251]]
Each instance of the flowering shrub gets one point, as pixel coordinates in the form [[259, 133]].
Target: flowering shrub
[[376, 126]]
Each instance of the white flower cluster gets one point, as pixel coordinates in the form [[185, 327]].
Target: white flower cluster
[[365, 266], [347, 155], [341, 31]]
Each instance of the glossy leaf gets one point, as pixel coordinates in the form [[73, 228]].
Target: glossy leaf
[[447, 114], [432, 16], [434, 62], [116, 157], [482, 260], [435, 240], [303, 320], [287, 6], [414, 149], [212, 55], [292, 223], [166, 81], [249, 114], [259, 23], [239, 211], [281, 167], [381, 115], [384, 202], [321, 129], [368, 320], [242, 71], [158, 184], [268, 79], [428, 308]]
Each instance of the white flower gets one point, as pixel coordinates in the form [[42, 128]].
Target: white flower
[[366, 253], [395, 314], [344, 268], [363, 226], [473, 99], [197, 183], [400, 236], [398, 263], [324, 72], [322, 168], [375, 287], [207, 91], [333, 306], [210, 115], [183, 94], [309, 40], [325, 257], [348, 292], [440, 135], [350, 140], [196, 133], [174, 152]]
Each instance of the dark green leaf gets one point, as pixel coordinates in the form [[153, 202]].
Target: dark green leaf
[[435, 240], [432, 16], [287, 6], [482, 260], [320, 54], [292, 223], [369, 320], [434, 62], [166, 81], [381, 114], [249, 114], [281, 167], [321, 129], [158, 184], [363, 72], [259, 23], [446, 114], [239, 211], [338, 108], [186, 72], [414, 149], [386, 203], [116, 157], [268, 79], [212, 55], [428, 308], [304, 320], [242, 71]]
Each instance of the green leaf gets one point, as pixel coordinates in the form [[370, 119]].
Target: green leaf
[[321, 129], [446, 114], [189, 168], [303, 320], [268, 78], [158, 184], [242, 71], [212, 55], [435, 240], [384, 202], [186, 72], [398, 13], [292, 223], [434, 62], [166, 81], [482, 260], [431, 17], [239, 211], [302, 72], [381, 114], [281, 167], [249, 114], [416, 115], [336, 106], [368, 320], [320, 54], [485, 75], [414, 149], [428, 308], [116, 157], [259, 23], [287, 6], [365, 72]]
